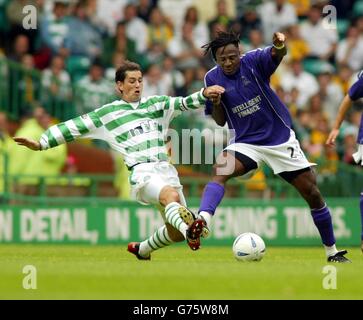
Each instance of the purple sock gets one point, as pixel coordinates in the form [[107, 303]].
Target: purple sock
[[323, 222], [361, 212], [212, 196]]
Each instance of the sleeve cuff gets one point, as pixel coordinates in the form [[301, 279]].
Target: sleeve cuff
[[201, 94], [43, 143]]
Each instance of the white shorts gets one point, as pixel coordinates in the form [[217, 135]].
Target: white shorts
[[287, 156], [148, 179]]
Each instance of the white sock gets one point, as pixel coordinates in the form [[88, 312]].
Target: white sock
[[158, 240], [207, 217], [330, 251], [172, 216]]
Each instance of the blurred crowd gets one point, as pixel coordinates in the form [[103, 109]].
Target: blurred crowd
[[77, 45]]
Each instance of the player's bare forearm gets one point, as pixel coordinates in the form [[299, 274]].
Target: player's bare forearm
[[218, 114], [344, 107], [278, 50]]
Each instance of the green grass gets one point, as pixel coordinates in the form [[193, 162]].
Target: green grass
[[109, 272]]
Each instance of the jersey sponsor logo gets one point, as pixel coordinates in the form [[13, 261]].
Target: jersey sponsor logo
[[248, 107], [143, 127]]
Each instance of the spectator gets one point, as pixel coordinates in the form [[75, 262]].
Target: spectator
[[255, 40], [30, 126], [94, 19], [154, 82], [136, 29], [330, 93], [322, 41], [222, 17], [301, 7], [349, 144], [276, 15], [302, 127], [54, 29], [197, 80], [316, 112], [173, 77], [159, 35], [144, 9], [249, 21], [92, 90], [200, 28], [110, 12], [318, 136], [56, 84], [350, 50], [118, 59], [184, 50], [298, 47], [28, 85], [305, 82], [175, 10], [83, 38], [20, 48], [343, 78], [123, 45]]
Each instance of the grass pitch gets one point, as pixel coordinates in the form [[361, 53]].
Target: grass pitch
[[109, 272]]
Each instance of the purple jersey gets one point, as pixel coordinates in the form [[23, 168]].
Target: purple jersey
[[356, 92], [251, 107]]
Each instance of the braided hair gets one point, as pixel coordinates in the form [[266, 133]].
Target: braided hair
[[223, 39]]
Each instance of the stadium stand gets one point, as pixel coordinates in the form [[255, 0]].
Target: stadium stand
[[43, 68]]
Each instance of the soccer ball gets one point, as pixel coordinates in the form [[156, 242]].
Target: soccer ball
[[249, 247]]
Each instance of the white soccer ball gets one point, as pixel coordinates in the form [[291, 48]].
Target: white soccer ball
[[249, 247]]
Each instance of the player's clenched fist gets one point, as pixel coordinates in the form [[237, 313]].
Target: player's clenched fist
[[278, 39], [213, 92]]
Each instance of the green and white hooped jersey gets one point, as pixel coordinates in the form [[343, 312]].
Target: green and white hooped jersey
[[136, 130]]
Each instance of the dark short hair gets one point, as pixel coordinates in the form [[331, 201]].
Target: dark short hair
[[126, 66], [223, 39]]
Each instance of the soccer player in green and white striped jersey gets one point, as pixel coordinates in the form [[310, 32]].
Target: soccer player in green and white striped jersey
[[136, 127]]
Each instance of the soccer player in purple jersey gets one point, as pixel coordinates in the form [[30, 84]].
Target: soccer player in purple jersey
[[355, 92], [262, 126]]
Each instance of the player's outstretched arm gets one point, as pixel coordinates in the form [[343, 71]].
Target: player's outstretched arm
[[344, 107], [279, 49], [87, 126], [29, 143]]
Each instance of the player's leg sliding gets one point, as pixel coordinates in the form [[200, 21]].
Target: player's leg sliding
[[158, 240], [182, 219], [323, 222], [212, 197], [361, 217]]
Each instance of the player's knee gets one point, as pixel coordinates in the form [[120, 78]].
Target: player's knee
[[218, 175], [174, 234], [169, 194]]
